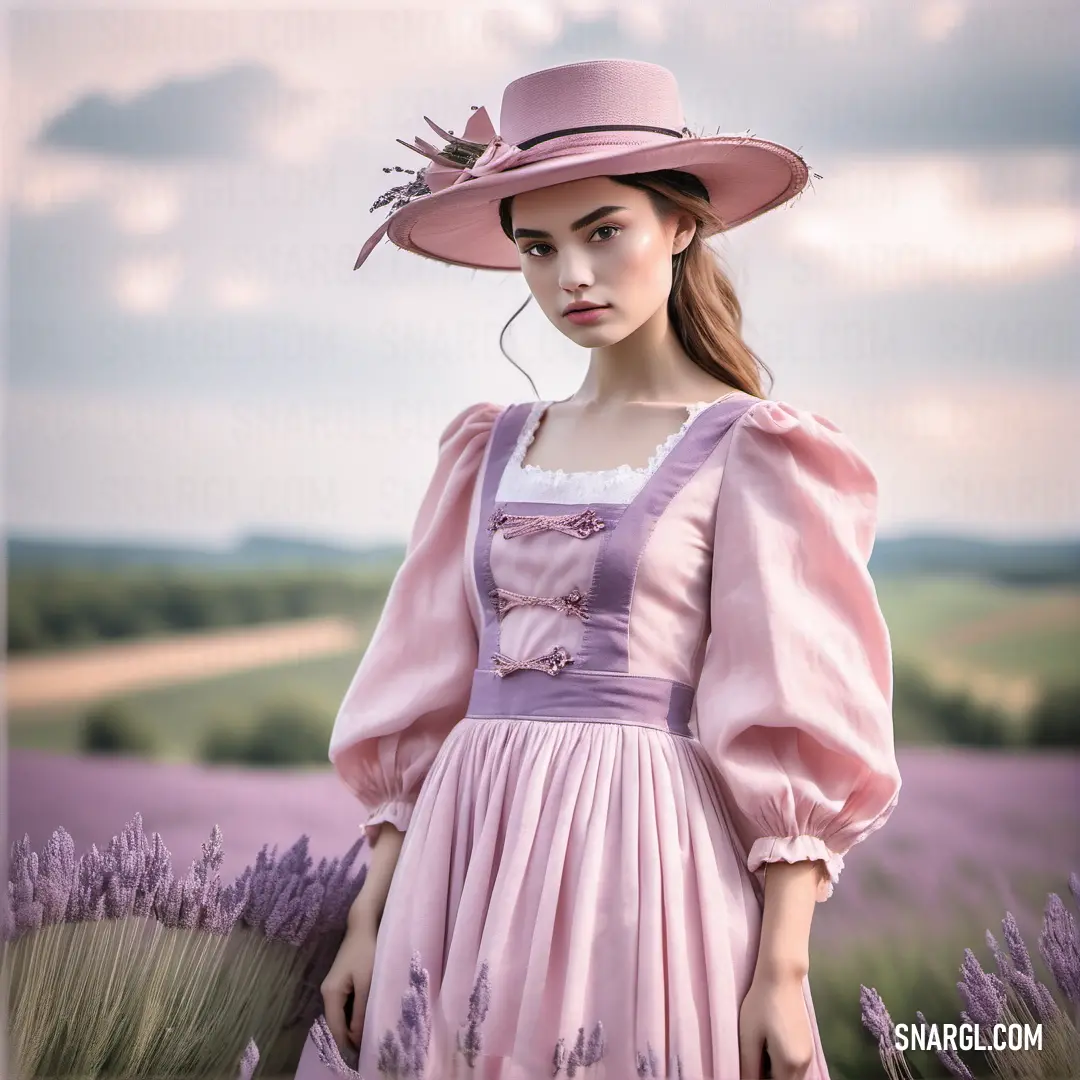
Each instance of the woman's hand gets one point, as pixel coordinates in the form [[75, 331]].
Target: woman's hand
[[354, 964], [773, 1015], [350, 973]]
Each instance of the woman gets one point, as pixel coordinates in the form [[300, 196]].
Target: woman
[[633, 659]]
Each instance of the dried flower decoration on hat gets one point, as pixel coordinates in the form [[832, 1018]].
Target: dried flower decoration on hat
[[459, 153], [478, 151], [462, 158], [398, 196]]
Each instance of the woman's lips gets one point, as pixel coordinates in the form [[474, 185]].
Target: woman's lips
[[586, 315]]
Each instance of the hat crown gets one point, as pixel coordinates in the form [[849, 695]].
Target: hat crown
[[595, 92]]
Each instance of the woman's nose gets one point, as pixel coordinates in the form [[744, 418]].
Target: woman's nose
[[575, 272]]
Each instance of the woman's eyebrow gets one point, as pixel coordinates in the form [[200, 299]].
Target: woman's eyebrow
[[577, 226]]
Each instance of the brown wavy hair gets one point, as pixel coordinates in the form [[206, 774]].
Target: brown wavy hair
[[703, 309]]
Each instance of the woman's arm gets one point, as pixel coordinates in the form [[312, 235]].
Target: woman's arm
[[368, 906], [773, 1016], [790, 895]]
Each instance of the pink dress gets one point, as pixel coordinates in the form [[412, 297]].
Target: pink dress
[[598, 704]]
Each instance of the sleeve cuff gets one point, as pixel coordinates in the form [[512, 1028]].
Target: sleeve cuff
[[397, 812], [797, 849]]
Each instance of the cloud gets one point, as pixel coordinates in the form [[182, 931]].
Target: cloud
[[375, 348], [103, 94], [147, 285], [538, 22], [147, 209], [937, 20], [841, 20], [44, 182], [238, 292], [933, 21], [951, 452], [218, 115], [894, 223]]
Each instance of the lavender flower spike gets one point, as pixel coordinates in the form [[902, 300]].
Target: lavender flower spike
[[594, 1051], [471, 1042], [875, 1017], [1019, 974], [56, 876], [1059, 944], [949, 1058], [558, 1058], [249, 1061], [414, 1027], [647, 1066], [1017, 949], [983, 991], [328, 1051], [876, 1020], [26, 911]]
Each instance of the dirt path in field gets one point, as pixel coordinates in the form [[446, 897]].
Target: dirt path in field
[[1045, 613], [1016, 694], [90, 674]]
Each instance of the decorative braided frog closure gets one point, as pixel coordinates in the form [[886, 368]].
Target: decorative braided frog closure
[[551, 663], [582, 524], [573, 603]]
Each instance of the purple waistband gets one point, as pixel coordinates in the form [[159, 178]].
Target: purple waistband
[[583, 695]]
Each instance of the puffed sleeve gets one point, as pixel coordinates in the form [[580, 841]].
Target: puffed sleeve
[[413, 683], [794, 703]]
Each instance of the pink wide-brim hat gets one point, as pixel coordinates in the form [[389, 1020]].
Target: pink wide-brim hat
[[597, 118]]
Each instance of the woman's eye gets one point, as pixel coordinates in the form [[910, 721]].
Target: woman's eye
[[530, 249], [603, 227]]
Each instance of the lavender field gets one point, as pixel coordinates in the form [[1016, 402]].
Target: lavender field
[[975, 832]]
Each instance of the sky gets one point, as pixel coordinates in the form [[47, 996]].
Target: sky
[[191, 355]]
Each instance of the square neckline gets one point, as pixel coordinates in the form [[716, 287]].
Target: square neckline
[[529, 429]]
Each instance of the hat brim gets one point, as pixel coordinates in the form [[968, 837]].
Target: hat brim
[[745, 177]]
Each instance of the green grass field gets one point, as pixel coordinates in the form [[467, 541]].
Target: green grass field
[[1003, 644], [1019, 630]]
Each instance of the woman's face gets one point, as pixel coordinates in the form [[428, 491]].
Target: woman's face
[[598, 242]]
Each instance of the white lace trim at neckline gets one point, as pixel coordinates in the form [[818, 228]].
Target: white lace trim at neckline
[[616, 485]]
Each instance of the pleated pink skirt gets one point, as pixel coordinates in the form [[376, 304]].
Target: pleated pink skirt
[[573, 892]]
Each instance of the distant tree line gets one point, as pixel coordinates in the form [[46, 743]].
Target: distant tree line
[[1036, 576], [62, 609], [1047, 562], [925, 712], [287, 732]]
